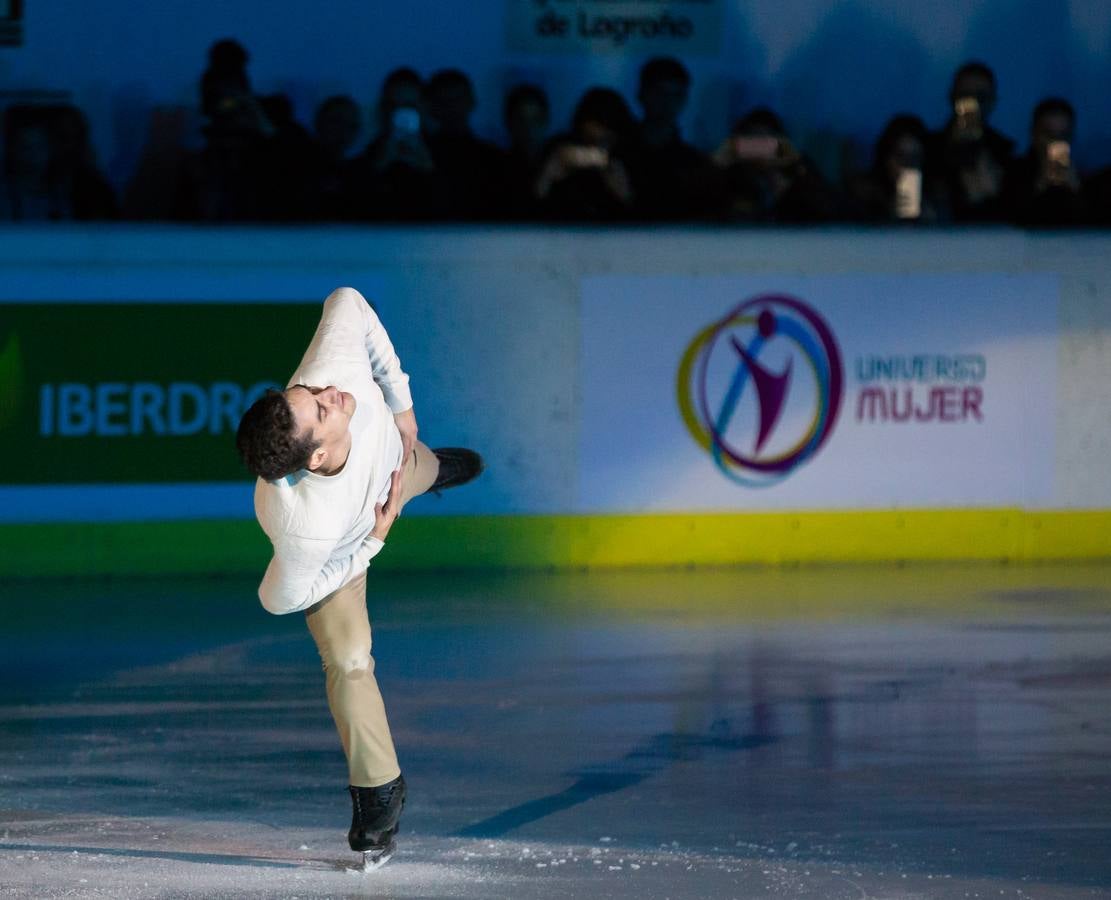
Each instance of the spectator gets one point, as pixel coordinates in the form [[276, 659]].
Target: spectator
[[764, 178], [671, 179], [336, 126], [1043, 187], [1097, 198], [970, 155], [426, 163], [470, 169], [152, 191], [226, 180], [584, 175], [30, 193], [402, 89], [395, 176], [75, 169], [50, 169], [527, 118], [287, 159], [225, 78], [900, 186]]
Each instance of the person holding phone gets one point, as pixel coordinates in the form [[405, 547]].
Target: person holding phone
[[395, 178], [336, 127], [399, 139], [763, 177], [1043, 188], [969, 155], [672, 179], [901, 186], [469, 168], [230, 178], [526, 115], [972, 99], [584, 176]]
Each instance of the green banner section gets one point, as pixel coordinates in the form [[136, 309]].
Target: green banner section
[[138, 392]]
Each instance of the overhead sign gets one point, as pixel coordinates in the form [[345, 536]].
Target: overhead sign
[[640, 27]]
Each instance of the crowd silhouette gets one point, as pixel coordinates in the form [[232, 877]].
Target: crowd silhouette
[[425, 163]]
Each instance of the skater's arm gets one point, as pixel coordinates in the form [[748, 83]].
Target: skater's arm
[[384, 364], [349, 306], [407, 427], [350, 331], [303, 572], [385, 514]]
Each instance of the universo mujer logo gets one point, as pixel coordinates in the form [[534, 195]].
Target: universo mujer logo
[[743, 397]]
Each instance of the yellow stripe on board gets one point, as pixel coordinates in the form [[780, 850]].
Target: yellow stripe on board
[[599, 541], [607, 541]]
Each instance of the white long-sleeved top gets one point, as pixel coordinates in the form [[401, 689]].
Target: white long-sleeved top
[[320, 524]]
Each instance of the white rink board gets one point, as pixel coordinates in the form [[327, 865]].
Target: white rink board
[[980, 432], [491, 326]]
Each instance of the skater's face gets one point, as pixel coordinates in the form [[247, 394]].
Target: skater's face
[[323, 413]]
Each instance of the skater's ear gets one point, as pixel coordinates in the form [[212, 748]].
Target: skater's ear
[[317, 459]]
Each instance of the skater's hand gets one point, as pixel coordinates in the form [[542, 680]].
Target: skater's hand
[[407, 425], [385, 514]]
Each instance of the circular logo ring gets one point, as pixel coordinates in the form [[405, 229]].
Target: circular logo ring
[[775, 316]]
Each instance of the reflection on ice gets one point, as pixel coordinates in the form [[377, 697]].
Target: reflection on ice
[[826, 733]]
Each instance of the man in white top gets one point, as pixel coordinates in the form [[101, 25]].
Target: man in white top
[[337, 457]]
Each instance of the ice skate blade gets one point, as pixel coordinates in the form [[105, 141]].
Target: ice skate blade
[[375, 859]]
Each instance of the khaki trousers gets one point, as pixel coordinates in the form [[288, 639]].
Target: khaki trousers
[[341, 628]]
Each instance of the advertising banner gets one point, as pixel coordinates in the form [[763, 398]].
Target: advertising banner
[[822, 392], [138, 393]]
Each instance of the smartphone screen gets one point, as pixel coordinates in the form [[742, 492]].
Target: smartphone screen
[[1059, 153], [405, 120], [585, 157], [969, 120], [1058, 156], [908, 194], [756, 148]]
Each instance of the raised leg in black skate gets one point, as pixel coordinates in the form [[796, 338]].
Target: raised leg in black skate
[[375, 812], [458, 465]]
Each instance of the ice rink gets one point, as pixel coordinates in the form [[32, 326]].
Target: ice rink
[[819, 732]]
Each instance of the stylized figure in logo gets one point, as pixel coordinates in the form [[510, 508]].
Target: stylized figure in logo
[[775, 317]]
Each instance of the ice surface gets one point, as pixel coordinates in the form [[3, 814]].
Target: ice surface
[[934, 732]]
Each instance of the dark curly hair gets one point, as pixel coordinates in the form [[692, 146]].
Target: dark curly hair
[[267, 438]]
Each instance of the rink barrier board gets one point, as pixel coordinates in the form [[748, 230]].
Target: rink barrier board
[[516, 299], [213, 547]]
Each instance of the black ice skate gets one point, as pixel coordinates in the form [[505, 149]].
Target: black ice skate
[[458, 465], [374, 820]]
